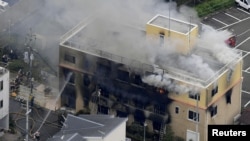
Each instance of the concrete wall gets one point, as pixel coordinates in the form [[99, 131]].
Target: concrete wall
[[4, 96], [118, 134]]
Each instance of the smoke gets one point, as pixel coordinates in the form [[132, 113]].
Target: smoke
[[119, 28], [165, 82], [214, 41]]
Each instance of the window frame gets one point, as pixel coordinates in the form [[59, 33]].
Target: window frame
[[192, 119], [70, 58]]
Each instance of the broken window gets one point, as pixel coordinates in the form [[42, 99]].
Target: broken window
[[228, 96], [214, 90], [86, 80], [213, 111], [157, 125], [123, 75], [103, 70], [159, 109], [121, 114], [103, 109], [139, 116], [66, 73], [136, 79], [69, 96]]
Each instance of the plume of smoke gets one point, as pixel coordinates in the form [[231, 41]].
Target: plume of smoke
[[164, 81], [214, 41]]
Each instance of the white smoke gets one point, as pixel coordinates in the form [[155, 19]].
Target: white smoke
[[114, 14], [215, 41], [165, 82]]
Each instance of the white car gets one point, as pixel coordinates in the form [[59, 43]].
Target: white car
[[244, 4]]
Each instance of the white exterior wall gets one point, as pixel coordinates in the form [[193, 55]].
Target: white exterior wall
[[4, 95], [118, 134]]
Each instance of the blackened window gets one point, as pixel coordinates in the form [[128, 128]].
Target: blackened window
[[195, 96], [1, 104], [137, 79], [157, 125], [215, 90], [103, 110], [86, 80], [159, 109], [69, 96], [177, 110], [68, 73], [123, 75], [121, 114], [228, 96], [193, 115], [139, 116], [1, 85], [213, 111], [103, 70], [70, 58]]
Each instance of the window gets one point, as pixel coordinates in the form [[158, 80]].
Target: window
[[1, 85], [162, 35], [194, 96], [159, 109], [136, 79], [228, 96], [123, 75], [66, 73], [215, 89], [1, 104], [103, 110], [177, 110], [213, 111], [193, 115], [69, 58], [103, 70]]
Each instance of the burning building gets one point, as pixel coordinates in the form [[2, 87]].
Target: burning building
[[163, 74]]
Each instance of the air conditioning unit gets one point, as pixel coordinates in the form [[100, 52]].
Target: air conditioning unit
[[236, 118]]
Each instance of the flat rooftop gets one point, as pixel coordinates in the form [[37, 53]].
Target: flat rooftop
[[172, 24], [125, 44]]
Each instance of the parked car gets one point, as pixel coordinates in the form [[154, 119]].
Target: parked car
[[231, 41], [244, 4]]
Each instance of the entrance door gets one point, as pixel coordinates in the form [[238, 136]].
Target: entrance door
[[192, 136]]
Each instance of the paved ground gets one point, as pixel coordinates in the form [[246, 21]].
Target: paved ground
[[236, 20]]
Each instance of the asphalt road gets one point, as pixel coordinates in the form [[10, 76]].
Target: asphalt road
[[236, 20], [48, 128]]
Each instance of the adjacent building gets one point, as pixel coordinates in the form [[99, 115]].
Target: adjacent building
[[4, 98], [92, 128], [105, 69]]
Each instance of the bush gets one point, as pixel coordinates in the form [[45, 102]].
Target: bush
[[16, 65], [208, 7]]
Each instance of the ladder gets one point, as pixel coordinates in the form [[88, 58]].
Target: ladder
[[162, 130]]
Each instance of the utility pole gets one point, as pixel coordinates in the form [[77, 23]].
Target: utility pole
[[30, 37]]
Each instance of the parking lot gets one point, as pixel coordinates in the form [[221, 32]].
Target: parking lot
[[237, 21]]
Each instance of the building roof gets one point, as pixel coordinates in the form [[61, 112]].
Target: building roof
[[79, 128]]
